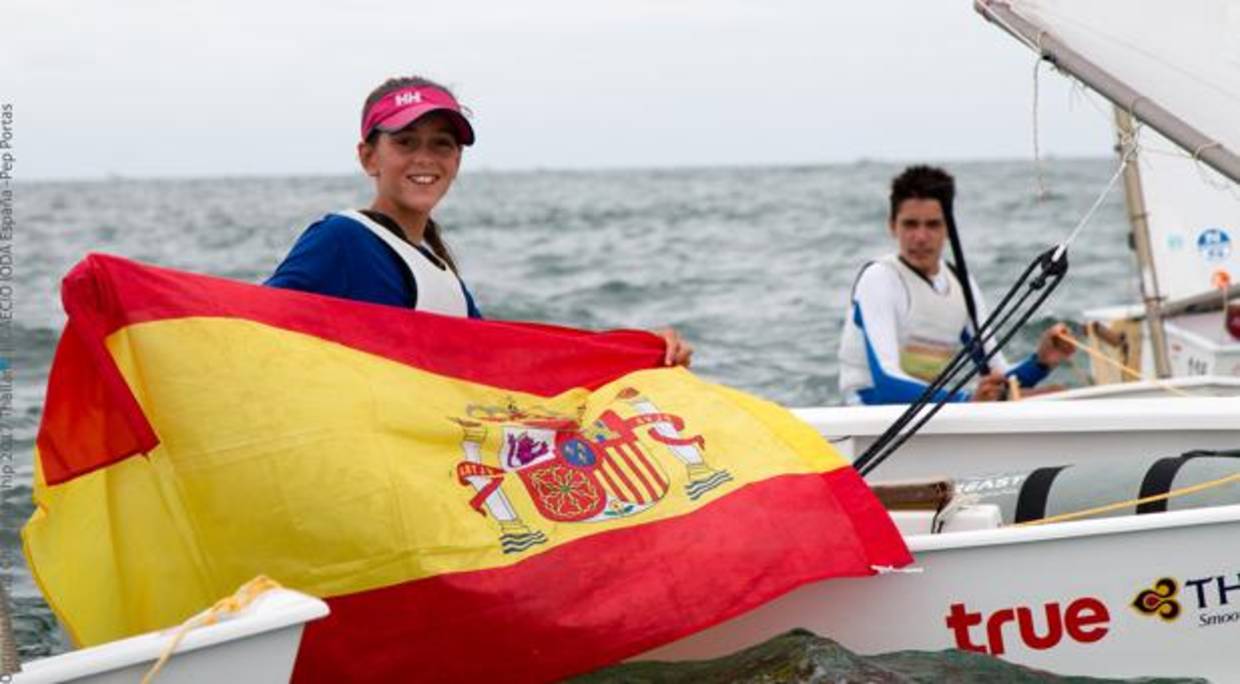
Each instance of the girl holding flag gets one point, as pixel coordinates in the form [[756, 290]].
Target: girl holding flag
[[393, 252]]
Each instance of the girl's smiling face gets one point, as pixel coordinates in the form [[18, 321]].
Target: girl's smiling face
[[413, 167]]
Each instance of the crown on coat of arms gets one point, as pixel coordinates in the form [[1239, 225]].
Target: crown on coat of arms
[[533, 416]]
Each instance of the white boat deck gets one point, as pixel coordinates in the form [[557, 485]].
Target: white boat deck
[[974, 439]]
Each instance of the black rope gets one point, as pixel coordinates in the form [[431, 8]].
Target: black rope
[[971, 350], [962, 273], [897, 442], [1050, 273], [892, 437]]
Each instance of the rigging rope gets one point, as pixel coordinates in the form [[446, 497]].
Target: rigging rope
[[1099, 356], [1043, 193], [1129, 149], [242, 598], [962, 272]]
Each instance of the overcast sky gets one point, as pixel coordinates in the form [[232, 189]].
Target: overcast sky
[[152, 88]]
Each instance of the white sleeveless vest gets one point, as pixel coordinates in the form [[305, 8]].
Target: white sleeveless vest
[[439, 290], [930, 336]]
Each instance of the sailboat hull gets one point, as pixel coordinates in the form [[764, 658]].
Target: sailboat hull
[[1133, 596], [1083, 598]]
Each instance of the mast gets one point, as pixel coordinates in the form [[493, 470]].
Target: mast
[[1134, 200]]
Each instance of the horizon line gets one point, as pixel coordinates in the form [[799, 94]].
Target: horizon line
[[618, 168]]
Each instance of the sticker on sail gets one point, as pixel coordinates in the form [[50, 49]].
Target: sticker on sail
[[1214, 245]]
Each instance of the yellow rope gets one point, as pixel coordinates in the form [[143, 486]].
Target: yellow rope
[[243, 597], [1183, 491], [1099, 356]]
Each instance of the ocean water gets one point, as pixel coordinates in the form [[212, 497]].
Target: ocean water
[[752, 265]]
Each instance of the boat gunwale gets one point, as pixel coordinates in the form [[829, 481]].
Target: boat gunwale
[[1211, 413], [1214, 515], [272, 612]]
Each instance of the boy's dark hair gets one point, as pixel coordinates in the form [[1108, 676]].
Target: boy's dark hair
[[923, 182]]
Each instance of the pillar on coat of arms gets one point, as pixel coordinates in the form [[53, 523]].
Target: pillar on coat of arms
[[515, 536], [702, 477]]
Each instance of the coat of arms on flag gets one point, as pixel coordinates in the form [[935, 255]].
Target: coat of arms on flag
[[613, 468]]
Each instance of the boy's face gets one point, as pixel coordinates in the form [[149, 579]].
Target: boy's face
[[920, 230]]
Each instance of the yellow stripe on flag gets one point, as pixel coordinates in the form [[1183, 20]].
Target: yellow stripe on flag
[[350, 460]]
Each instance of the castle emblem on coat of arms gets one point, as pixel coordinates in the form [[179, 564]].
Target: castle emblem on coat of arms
[[573, 473]]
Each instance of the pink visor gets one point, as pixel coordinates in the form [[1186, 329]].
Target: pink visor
[[400, 108]]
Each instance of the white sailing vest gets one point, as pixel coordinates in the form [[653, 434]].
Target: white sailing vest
[[930, 336], [439, 290]]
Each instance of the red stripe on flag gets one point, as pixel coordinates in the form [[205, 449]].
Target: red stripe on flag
[[103, 294], [527, 357], [89, 411], [609, 596]]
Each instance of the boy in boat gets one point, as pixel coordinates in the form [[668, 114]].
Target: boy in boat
[[909, 313]]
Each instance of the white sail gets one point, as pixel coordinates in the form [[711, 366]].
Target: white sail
[[1194, 219], [1183, 59], [1184, 56]]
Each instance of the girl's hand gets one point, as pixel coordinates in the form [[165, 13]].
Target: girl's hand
[[678, 351]]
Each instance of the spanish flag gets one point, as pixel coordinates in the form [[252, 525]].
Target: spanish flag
[[475, 500]]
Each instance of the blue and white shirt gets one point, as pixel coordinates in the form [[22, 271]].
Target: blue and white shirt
[[903, 327], [347, 255]]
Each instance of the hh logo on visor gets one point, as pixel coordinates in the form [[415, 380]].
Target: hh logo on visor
[[408, 98]]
